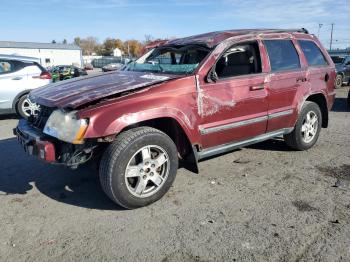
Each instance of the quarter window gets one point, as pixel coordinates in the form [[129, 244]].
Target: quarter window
[[313, 54], [282, 55]]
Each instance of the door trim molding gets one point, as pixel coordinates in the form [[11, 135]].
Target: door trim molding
[[212, 151], [209, 130], [281, 113]]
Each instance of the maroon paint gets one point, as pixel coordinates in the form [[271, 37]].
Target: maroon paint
[[202, 105]]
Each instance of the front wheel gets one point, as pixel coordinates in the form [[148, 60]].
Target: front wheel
[[139, 167], [307, 129]]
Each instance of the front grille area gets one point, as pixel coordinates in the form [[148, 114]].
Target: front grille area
[[40, 120]]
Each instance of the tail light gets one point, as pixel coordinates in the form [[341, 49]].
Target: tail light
[[43, 75]]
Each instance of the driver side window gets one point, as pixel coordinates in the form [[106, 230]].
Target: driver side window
[[241, 59]]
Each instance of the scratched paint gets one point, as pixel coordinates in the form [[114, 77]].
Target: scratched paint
[[209, 105]]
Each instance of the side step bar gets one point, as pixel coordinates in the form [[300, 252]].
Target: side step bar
[[212, 151]]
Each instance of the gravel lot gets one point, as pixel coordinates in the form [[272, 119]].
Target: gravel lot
[[262, 203]]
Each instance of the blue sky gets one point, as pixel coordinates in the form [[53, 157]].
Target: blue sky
[[43, 21]]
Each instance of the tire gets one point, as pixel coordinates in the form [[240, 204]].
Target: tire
[[349, 98], [24, 103], [300, 139], [123, 153], [338, 81]]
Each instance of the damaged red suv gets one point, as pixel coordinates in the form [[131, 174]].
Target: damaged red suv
[[188, 99]]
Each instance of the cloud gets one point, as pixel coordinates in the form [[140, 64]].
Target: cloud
[[291, 14]]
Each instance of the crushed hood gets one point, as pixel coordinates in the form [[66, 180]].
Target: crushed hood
[[79, 91]]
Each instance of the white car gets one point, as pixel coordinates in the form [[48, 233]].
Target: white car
[[18, 76]]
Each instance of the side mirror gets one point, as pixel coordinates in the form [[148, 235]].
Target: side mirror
[[212, 76]]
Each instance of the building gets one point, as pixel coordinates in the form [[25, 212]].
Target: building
[[117, 52], [48, 54]]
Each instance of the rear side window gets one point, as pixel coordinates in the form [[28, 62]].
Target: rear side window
[[282, 55], [10, 66], [313, 54], [6, 67]]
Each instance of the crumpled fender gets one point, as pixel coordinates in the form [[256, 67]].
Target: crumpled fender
[[98, 127]]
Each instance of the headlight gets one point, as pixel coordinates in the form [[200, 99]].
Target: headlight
[[66, 127]]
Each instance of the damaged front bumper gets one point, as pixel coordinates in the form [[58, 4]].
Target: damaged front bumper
[[52, 150], [34, 142]]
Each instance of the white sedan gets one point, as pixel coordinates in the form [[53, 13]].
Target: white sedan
[[18, 76]]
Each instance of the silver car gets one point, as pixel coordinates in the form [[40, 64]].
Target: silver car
[[18, 76]]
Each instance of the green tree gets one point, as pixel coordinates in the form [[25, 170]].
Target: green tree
[[77, 41]]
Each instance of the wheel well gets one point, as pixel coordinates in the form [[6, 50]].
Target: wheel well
[[173, 129], [320, 100], [18, 97]]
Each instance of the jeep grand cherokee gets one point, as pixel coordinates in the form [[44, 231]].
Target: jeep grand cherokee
[[187, 99]]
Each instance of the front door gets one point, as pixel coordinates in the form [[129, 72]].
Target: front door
[[233, 107]]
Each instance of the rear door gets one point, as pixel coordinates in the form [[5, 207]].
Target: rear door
[[287, 76], [35, 80], [13, 79], [320, 76]]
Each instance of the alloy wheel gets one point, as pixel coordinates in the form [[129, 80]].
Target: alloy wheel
[[147, 171]]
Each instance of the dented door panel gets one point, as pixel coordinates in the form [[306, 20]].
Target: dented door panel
[[233, 109]]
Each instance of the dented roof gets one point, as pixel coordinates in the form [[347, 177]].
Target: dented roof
[[214, 38]]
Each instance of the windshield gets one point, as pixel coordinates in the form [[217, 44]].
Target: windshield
[[337, 59], [170, 59]]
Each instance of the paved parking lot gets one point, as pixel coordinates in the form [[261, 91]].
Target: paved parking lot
[[263, 203]]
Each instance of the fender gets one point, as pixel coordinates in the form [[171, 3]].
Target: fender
[[324, 111], [99, 129]]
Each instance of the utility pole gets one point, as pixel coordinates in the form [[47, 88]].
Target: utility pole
[[319, 29], [330, 44]]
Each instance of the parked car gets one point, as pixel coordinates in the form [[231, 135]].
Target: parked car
[[189, 99], [88, 67], [112, 67], [19, 75], [342, 68], [64, 72]]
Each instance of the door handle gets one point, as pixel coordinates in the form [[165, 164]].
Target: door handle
[[17, 78], [254, 88], [301, 79]]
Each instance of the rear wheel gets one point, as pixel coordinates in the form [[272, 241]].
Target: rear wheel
[[338, 81], [307, 128], [349, 98], [139, 167], [25, 107]]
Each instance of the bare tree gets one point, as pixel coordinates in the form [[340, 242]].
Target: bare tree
[[148, 39], [89, 45]]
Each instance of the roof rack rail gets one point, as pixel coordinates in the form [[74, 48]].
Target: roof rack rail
[[299, 30]]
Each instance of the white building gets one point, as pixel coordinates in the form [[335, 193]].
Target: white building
[[49, 54], [117, 52]]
